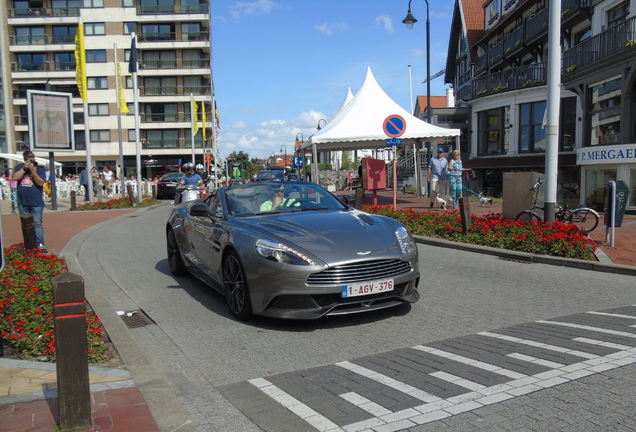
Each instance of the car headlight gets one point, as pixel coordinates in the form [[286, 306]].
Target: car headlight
[[281, 253], [406, 241]]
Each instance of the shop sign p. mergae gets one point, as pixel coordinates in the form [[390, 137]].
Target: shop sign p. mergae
[[614, 154]]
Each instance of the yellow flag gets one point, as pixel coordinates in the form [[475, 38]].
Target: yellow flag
[[123, 106], [203, 118], [195, 116], [80, 62]]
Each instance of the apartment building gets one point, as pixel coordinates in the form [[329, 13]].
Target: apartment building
[[497, 64], [174, 62]]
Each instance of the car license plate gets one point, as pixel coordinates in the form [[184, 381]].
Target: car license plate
[[367, 288], [171, 184]]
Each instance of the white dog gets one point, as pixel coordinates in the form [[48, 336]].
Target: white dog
[[440, 202], [483, 200]]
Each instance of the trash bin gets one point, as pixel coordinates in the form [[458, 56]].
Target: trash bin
[[621, 198]]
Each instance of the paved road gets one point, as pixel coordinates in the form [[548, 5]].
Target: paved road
[[492, 344]]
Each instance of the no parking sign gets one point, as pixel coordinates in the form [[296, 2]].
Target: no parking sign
[[394, 126]]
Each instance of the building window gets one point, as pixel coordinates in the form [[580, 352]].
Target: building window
[[160, 60], [190, 31], [64, 61], [131, 135], [157, 112], [98, 109], [97, 83], [567, 138], [100, 135], [94, 29], [157, 32], [582, 35], [160, 86], [492, 11], [95, 56], [157, 6], [531, 131], [606, 113], [168, 138], [30, 36], [493, 135], [31, 62], [128, 3], [93, 3], [64, 34], [617, 15], [130, 27]]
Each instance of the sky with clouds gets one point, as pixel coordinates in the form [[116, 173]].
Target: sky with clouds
[[279, 66]]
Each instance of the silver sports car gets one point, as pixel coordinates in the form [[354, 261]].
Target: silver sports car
[[292, 250]]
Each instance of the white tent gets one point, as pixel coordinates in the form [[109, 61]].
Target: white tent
[[359, 124], [20, 159]]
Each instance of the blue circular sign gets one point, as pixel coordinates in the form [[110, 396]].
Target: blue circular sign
[[394, 126]]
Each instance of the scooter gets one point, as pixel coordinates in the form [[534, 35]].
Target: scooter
[[187, 194]]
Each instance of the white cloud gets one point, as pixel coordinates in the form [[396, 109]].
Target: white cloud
[[419, 52], [259, 7], [387, 22], [329, 29]]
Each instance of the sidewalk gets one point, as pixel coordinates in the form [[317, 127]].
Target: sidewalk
[[27, 389], [28, 394]]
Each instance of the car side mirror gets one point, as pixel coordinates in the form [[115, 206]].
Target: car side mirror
[[200, 209]]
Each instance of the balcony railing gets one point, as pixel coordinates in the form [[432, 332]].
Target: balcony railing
[[173, 91], [169, 144], [615, 40], [536, 25], [174, 37], [503, 81], [47, 12], [42, 66], [175, 63], [173, 9], [41, 39]]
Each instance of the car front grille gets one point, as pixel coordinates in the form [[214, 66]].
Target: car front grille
[[360, 272]]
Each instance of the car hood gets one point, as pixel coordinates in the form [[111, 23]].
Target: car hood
[[333, 236]]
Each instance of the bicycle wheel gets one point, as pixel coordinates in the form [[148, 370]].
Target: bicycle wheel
[[527, 216], [584, 218]]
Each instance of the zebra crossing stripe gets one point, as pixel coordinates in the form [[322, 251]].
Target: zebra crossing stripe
[[590, 328], [454, 379], [540, 345], [602, 343], [612, 315], [317, 420], [472, 362], [389, 382], [535, 360]]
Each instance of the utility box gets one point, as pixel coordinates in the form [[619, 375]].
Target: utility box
[[621, 198], [373, 174], [517, 195]]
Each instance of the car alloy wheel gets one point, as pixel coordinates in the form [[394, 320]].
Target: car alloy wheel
[[175, 261], [236, 290]]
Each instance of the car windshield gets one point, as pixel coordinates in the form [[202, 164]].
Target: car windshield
[[270, 175], [171, 177], [275, 197]]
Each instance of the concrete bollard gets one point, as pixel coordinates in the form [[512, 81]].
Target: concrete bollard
[[28, 231], [131, 194], [71, 352]]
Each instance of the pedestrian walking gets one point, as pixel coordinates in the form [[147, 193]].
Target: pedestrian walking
[[437, 168], [456, 168], [30, 180]]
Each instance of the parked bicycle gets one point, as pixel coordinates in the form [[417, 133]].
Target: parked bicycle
[[583, 217]]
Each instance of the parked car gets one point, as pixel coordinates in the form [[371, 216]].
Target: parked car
[[293, 250], [269, 175], [167, 185]]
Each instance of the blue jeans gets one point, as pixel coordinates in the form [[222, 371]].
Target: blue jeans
[[36, 212]]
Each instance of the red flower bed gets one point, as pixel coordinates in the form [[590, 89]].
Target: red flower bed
[[555, 239], [26, 307]]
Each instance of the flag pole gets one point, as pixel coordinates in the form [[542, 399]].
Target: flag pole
[[122, 182], [82, 86], [194, 121], [132, 66]]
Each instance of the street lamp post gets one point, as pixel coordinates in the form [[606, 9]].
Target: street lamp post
[[409, 21], [299, 151], [284, 160]]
